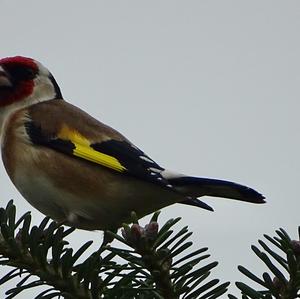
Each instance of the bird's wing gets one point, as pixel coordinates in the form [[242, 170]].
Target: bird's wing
[[67, 129]]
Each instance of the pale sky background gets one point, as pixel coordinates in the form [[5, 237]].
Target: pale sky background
[[207, 88]]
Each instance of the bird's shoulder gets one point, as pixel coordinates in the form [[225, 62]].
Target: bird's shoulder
[[59, 117]]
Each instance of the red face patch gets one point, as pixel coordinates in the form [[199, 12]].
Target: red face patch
[[22, 91], [20, 71], [19, 60]]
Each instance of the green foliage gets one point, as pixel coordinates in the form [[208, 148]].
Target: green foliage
[[155, 263], [283, 279], [152, 263]]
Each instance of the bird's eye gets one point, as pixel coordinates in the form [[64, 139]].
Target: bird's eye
[[22, 73]]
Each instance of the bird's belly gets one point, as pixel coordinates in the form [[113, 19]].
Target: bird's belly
[[41, 194], [90, 212], [62, 206]]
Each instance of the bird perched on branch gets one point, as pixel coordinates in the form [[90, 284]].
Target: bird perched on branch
[[78, 170]]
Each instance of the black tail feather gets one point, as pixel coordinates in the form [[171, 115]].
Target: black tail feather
[[197, 187]]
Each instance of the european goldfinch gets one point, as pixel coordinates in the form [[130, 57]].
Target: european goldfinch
[[78, 170]]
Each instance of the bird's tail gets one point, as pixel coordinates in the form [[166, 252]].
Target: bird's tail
[[194, 187]]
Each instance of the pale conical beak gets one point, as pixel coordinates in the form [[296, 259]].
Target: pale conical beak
[[4, 79]]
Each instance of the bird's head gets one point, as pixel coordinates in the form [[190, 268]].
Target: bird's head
[[24, 82]]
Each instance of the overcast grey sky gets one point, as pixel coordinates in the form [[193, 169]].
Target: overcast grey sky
[[208, 88]]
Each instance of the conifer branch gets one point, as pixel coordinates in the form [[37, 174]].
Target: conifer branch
[[155, 265]]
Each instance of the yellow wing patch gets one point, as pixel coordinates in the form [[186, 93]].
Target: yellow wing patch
[[84, 151]]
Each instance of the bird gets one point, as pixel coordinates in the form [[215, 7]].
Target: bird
[[79, 171]]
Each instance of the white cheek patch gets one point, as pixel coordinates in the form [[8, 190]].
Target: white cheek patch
[[43, 90]]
